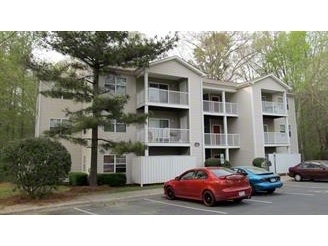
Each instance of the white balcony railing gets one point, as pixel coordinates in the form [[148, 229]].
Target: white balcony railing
[[273, 107], [156, 95], [214, 139], [164, 135], [218, 107], [275, 138]]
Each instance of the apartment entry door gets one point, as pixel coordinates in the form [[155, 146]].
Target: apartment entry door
[[218, 138]]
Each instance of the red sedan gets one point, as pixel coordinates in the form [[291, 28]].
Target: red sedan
[[209, 184]]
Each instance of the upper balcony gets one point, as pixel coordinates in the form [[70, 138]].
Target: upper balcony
[[275, 138], [222, 140], [164, 135], [164, 98], [273, 108], [214, 108]]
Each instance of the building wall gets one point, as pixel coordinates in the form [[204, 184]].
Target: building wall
[[53, 108], [244, 126], [292, 122], [174, 68]]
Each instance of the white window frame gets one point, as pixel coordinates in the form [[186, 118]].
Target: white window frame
[[282, 128], [115, 123], [115, 163], [57, 119], [116, 84]]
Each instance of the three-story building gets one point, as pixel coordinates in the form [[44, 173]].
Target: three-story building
[[191, 118]]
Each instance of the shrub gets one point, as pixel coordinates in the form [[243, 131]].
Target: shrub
[[261, 162], [215, 162], [36, 165], [212, 162], [111, 179], [226, 164], [78, 178]]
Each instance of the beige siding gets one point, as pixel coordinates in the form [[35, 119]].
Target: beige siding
[[244, 126], [53, 108], [293, 125]]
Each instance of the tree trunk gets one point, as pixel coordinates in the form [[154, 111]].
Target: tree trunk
[[94, 136]]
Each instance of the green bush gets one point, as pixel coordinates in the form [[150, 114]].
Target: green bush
[[36, 165], [226, 164], [111, 179], [212, 162], [215, 162], [78, 178], [261, 162]]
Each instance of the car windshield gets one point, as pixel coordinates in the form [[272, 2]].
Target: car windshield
[[256, 170], [222, 172]]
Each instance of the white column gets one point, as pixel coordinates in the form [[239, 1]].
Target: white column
[[225, 121], [146, 110]]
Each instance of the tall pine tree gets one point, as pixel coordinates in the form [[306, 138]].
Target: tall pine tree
[[93, 53]]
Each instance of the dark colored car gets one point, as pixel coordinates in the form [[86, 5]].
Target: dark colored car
[[309, 170], [210, 185], [260, 179]]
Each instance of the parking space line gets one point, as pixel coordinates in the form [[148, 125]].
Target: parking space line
[[84, 211], [253, 200], [307, 187], [300, 194], [181, 206]]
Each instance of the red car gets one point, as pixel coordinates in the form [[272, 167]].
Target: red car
[[209, 184]]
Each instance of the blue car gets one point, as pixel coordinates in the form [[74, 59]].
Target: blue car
[[260, 179]]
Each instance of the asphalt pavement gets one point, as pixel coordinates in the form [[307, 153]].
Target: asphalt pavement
[[89, 199]]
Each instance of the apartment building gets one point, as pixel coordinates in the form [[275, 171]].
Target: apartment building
[[191, 118]]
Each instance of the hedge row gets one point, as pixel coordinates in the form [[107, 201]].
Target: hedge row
[[111, 179]]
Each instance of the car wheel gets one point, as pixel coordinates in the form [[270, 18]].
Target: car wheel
[[238, 200], [298, 177], [208, 199], [253, 190], [271, 191], [170, 193]]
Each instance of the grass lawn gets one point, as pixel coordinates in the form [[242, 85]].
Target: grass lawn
[[63, 193]]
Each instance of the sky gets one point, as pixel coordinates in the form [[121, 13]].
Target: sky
[[163, 16]]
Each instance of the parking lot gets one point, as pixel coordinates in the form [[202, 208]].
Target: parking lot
[[294, 198]]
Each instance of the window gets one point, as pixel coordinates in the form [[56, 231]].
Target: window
[[114, 164], [115, 85], [115, 127], [55, 123], [282, 128], [189, 175], [159, 123]]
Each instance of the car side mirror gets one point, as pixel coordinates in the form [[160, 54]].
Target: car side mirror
[[177, 178]]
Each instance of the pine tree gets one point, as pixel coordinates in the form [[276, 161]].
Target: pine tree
[[94, 53]]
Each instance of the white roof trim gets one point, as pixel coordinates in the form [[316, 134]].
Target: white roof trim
[[273, 77], [182, 62]]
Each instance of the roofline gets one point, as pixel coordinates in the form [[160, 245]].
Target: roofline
[[181, 61], [245, 84]]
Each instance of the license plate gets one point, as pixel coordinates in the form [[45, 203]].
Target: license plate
[[241, 193], [273, 180]]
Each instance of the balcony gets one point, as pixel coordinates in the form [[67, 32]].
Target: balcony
[[165, 135], [166, 97], [214, 139], [273, 108], [275, 138], [214, 107]]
